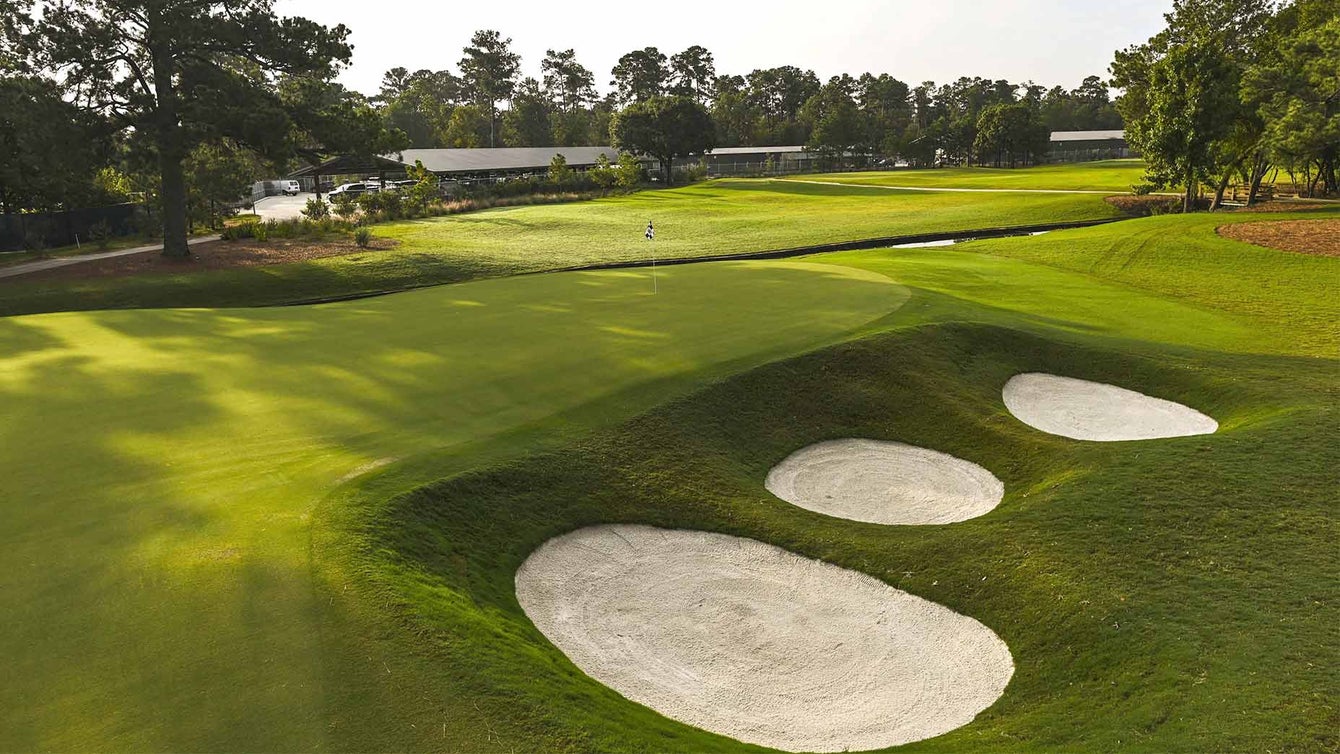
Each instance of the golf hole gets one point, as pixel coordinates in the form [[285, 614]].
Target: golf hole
[[750, 641], [1083, 410], [884, 483]]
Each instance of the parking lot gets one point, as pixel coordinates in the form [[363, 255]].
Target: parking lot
[[282, 207]]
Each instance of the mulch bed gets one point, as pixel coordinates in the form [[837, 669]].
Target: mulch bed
[[1321, 237], [215, 255]]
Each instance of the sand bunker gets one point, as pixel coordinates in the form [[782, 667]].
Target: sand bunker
[[1084, 410], [885, 483], [751, 641]]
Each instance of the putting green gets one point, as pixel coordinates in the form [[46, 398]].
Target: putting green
[[160, 468]]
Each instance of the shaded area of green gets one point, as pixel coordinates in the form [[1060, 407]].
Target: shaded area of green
[[718, 217]]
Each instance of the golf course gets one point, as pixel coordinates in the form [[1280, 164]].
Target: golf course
[[231, 525]]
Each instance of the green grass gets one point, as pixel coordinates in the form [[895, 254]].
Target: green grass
[[215, 534], [1117, 176], [718, 217]]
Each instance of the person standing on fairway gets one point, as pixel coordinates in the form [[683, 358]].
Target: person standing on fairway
[[651, 232]]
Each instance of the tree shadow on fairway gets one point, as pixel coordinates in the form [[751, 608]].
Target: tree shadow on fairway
[[22, 338]]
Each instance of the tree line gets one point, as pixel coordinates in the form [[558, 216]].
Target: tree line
[[1236, 89], [976, 119]]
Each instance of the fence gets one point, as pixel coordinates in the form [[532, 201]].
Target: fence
[[40, 230]]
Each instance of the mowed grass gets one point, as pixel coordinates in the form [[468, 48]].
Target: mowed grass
[[1116, 176], [713, 218], [161, 469]]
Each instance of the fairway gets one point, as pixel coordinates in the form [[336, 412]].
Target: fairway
[[1115, 176], [707, 219]]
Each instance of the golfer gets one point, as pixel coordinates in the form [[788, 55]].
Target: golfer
[[651, 232]]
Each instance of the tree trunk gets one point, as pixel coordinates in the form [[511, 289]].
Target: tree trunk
[[1188, 200], [1259, 168], [171, 152], [173, 196], [1219, 190], [667, 164]]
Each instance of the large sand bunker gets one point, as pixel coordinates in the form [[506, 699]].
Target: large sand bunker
[[885, 483], [751, 641], [1083, 410]]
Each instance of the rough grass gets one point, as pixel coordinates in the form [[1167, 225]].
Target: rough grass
[[1157, 596], [713, 218]]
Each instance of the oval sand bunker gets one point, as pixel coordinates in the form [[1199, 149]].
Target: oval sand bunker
[[750, 641], [1083, 410], [885, 483]]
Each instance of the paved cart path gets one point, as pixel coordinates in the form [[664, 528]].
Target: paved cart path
[[51, 264]]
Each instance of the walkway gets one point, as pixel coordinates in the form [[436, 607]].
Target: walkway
[[55, 262]]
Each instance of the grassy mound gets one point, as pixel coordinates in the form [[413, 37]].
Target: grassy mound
[[1141, 587]]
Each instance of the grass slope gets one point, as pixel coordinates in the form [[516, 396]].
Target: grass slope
[[1161, 596], [1117, 176], [716, 217], [161, 468]]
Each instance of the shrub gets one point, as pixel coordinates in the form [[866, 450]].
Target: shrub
[[259, 231], [316, 209], [101, 233], [629, 171], [363, 237], [344, 206]]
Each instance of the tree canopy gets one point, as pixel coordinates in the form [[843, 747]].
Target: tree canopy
[[175, 76], [666, 128]]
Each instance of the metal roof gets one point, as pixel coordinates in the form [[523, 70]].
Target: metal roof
[[1088, 135], [757, 150], [349, 165], [502, 158]]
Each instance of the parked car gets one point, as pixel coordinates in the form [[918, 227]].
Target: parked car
[[353, 190], [290, 188]]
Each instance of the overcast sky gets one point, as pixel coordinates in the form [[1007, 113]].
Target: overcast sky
[[1047, 41]]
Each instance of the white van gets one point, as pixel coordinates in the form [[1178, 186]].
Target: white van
[[290, 188]]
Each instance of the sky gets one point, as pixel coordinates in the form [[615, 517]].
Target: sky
[[1047, 41]]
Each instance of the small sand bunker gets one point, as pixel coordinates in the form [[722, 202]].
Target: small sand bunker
[[1083, 410], [751, 641], [884, 483]]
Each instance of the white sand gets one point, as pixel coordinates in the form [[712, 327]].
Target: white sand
[[1083, 410], [885, 483], [751, 641]]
